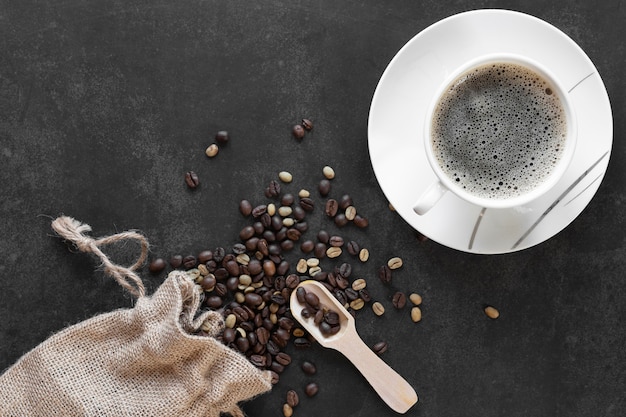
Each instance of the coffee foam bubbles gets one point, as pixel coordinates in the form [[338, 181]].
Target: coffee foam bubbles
[[499, 131]]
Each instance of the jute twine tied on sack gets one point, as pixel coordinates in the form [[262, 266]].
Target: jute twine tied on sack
[[143, 361]]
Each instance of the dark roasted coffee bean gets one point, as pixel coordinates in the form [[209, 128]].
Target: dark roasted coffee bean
[[191, 179], [324, 187], [380, 348], [242, 344], [345, 201], [266, 220], [277, 367], [399, 300], [331, 317], [205, 256], [298, 131], [340, 295], [262, 335], [157, 265], [263, 247], [286, 323], [351, 294], [307, 204], [300, 295], [311, 389], [353, 247], [308, 368], [323, 236], [307, 246], [283, 358], [189, 261], [336, 241], [384, 274], [274, 188], [301, 342], [208, 283], [307, 312], [239, 248], [229, 335], [253, 299], [287, 199], [307, 124], [342, 282], [222, 137], [301, 227], [176, 261], [269, 236], [218, 254], [341, 220], [278, 299], [287, 245], [276, 222], [251, 336], [361, 222], [245, 208], [232, 267], [292, 398], [312, 299], [281, 234], [213, 302], [221, 274], [292, 281], [345, 270], [298, 213], [331, 207], [282, 268], [259, 210], [258, 227], [220, 289], [254, 267], [258, 360], [318, 317], [320, 250], [279, 283], [293, 234], [365, 295]]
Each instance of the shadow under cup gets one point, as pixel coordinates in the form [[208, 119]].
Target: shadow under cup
[[499, 133]]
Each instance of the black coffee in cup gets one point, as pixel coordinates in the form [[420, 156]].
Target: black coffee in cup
[[499, 130]]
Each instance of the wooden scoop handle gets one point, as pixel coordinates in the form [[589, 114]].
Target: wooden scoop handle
[[391, 387]]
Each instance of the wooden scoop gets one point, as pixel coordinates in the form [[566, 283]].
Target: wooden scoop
[[391, 387]]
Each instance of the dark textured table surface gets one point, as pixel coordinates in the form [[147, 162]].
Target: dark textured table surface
[[105, 105]]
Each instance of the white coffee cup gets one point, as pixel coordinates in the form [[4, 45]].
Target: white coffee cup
[[445, 182]]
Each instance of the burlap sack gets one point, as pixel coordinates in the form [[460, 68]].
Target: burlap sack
[[143, 361]]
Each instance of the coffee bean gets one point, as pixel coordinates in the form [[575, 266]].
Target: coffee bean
[[384, 273], [491, 312], [285, 176], [275, 378], [350, 213], [211, 150], [416, 314], [258, 360], [213, 302], [353, 248], [297, 131], [308, 368], [208, 283], [380, 348], [359, 284], [415, 298], [333, 252], [331, 317], [300, 295], [307, 246], [360, 222], [312, 299], [273, 189], [298, 213], [246, 233], [307, 124], [259, 210], [328, 172], [157, 265], [364, 255], [345, 201], [341, 220], [287, 410], [301, 342], [357, 304], [292, 398], [307, 204], [394, 263], [336, 241], [191, 179], [399, 300], [378, 308], [189, 261], [311, 389], [324, 187], [176, 261], [320, 250], [331, 207], [222, 137]]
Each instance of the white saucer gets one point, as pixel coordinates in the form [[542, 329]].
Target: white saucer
[[396, 122]]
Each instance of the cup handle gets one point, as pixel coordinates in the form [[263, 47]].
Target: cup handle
[[429, 198]]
